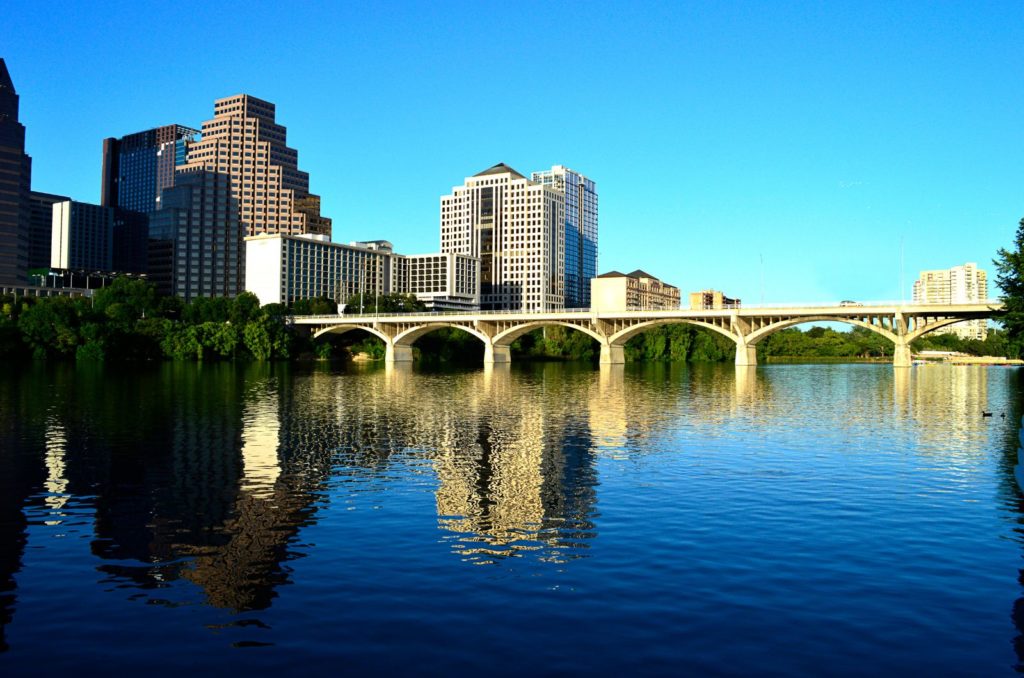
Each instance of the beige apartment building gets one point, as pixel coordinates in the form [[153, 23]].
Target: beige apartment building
[[707, 300], [963, 284], [244, 141], [614, 291], [516, 227]]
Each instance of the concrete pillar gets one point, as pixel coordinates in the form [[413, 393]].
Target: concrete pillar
[[901, 356], [398, 354], [746, 355], [497, 354], [612, 354]]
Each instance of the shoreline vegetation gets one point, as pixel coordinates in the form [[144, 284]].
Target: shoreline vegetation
[[129, 321]]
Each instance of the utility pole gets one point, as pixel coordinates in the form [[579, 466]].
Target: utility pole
[[762, 279]]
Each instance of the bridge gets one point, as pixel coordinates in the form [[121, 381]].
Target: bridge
[[897, 322]]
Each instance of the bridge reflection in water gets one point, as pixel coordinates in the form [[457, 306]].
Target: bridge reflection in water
[[899, 323], [214, 482]]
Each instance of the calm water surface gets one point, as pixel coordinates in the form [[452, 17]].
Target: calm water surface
[[837, 519]]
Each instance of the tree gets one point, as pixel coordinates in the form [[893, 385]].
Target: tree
[[1010, 279], [126, 299], [384, 303]]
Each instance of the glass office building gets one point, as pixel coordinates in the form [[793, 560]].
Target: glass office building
[[580, 231], [138, 167]]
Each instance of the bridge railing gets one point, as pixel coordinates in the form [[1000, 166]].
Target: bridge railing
[[851, 306]]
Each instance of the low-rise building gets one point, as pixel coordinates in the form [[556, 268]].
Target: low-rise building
[[711, 300], [285, 268], [81, 236], [614, 291], [444, 281]]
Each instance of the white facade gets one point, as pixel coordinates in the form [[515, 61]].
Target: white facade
[[442, 281], [515, 226], [966, 284], [284, 268], [280, 269]]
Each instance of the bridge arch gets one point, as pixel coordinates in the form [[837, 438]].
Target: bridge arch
[[622, 336], [919, 332], [408, 337], [348, 327], [506, 337], [757, 335]]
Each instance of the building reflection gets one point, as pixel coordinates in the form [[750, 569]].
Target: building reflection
[[23, 474]]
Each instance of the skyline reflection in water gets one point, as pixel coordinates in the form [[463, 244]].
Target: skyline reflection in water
[[237, 506]]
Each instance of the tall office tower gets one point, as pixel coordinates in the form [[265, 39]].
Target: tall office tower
[[195, 239], [41, 227], [580, 231], [516, 227], [82, 236], [244, 142], [138, 167], [966, 284], [15, 185]]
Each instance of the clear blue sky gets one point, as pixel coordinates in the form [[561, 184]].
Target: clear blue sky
[[812, 136]]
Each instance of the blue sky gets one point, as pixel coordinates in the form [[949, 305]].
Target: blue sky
[[812, 137]]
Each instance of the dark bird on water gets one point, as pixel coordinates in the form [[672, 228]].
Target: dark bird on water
[[986, 414]]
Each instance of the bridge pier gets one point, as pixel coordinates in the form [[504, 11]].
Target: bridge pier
[[746, 355], [901, 356], [612, 354], [398, 353], [497, 354]]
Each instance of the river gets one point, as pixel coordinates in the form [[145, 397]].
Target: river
[[544, 518]]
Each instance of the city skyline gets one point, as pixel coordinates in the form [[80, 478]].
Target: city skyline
[[726, 135]]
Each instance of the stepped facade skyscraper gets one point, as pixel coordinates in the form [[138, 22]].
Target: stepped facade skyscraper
[[244, 141], [580, 195], [15, 187], [517, 228]]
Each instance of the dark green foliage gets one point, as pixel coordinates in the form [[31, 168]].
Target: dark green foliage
[[318, 306], [1010, 279], [449, 346], [384, 303], [128, 320]]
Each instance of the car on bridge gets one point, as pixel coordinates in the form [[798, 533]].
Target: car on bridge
[[847, 302]]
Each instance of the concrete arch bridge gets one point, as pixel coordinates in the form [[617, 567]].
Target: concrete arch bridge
[[900, 323]]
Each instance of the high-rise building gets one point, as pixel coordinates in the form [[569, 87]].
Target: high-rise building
[[138, 167], [195, 239], [41, 227], [15, 185], [82, 236], [966, 284], [580, 231], [244, 142], [517, 229]]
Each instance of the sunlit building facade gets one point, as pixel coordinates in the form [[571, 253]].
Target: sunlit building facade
[[286, 268], [244, 142], [516, 227], [614, 291], [965, 284], [580, 209], [712, 300]]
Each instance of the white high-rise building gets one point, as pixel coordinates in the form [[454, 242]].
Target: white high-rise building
[[966, 284], [517, 229]]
